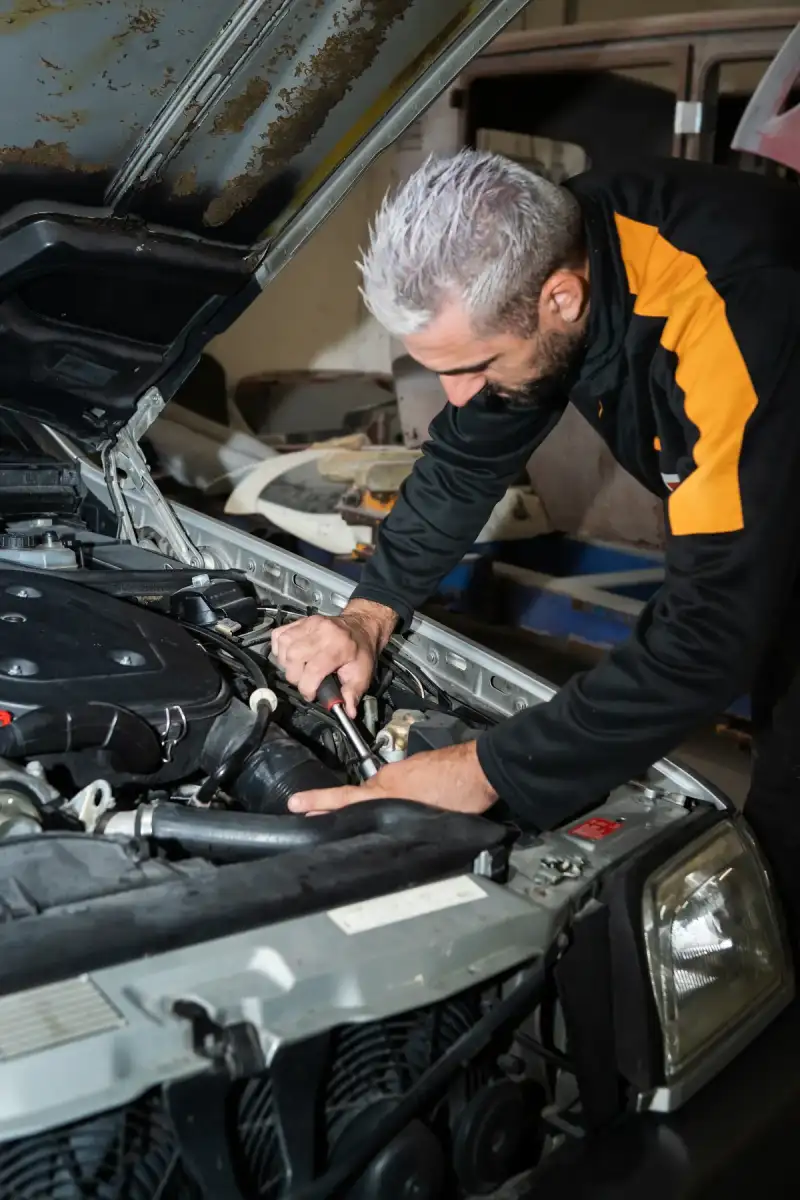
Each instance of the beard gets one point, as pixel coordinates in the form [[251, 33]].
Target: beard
[[559, 360]]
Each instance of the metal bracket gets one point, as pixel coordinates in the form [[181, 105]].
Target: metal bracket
[[124, 458], [91, 803], [174, 731], [688, 116]]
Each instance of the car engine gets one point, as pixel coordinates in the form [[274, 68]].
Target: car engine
[[128, 690]]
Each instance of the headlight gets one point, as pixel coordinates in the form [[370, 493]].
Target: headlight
[[714, 943]]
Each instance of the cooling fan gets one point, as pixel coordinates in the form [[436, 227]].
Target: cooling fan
[[128, 1153], [370, 1066], [469, 1143]]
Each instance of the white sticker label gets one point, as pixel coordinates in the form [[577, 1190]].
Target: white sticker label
[[403, 906]]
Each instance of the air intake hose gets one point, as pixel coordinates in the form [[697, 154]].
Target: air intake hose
[[131, 743], [277, 770]]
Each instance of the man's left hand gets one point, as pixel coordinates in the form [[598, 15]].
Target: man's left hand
[[451, 779]]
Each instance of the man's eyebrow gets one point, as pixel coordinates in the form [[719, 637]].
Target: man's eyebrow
[[475, 369]]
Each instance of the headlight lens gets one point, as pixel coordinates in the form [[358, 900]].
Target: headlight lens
[[713, 939]]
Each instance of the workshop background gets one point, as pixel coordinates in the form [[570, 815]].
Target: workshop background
[[564, 569]]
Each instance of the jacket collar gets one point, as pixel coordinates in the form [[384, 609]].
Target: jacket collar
[[610, 302]]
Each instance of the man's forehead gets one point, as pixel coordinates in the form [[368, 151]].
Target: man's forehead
[[449, 346]]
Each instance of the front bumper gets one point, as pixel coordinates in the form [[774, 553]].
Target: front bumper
[[737, 1138]]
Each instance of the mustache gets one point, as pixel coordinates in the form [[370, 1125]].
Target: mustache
[[540, 393]]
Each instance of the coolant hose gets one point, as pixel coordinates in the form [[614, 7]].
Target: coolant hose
[[227, 836], [278, 769], [133, 745]]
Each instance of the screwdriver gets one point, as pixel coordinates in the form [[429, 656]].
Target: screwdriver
[[329, 695]]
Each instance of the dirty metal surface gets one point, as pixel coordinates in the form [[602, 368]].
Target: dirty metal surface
[[219, 118]]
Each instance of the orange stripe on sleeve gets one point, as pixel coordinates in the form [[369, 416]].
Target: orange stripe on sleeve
[[719, 394]]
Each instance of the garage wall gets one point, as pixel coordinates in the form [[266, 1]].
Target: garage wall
[[542, 13], [312, 314]]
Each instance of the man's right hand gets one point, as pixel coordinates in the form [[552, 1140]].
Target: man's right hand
[[347, 646]]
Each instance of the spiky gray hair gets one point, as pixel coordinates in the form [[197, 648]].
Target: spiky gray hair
[[477, 229]]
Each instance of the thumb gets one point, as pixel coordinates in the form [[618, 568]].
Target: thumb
[[324, 799]]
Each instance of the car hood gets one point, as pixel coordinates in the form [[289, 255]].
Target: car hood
[[159, 164]]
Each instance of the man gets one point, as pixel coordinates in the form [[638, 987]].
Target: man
[[664, 302]]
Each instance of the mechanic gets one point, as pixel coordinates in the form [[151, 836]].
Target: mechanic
[[664, 302]]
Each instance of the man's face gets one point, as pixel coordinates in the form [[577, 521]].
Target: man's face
[[523, 369]]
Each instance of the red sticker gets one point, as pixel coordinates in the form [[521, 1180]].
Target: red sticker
[[596, 828], [5, 717]]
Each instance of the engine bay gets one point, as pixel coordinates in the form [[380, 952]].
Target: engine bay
[[138, 699]]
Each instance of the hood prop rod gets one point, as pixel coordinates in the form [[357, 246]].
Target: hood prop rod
[[125, 455]]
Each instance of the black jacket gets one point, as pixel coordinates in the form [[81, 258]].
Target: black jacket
[[692, 378]]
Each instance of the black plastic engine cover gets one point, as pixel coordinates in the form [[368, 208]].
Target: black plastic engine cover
[[62, 643]]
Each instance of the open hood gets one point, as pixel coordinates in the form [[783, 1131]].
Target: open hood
[[158, 165]]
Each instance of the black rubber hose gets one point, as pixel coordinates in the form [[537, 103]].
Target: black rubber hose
[[132, 744], [229, 836], [273, 773], [227, 772], [221, 645]]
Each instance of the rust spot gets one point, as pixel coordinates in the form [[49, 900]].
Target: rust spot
[[68, 121], [23, 13], [237, 111], [327, 77], [165, 83], [186, 183], [145, 21], [55, 155]]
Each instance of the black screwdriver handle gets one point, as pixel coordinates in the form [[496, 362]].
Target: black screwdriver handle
[[329, 694]]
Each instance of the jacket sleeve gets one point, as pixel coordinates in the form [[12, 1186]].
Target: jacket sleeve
[[472, 456], [732, 556]]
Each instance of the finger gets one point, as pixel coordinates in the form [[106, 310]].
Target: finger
[[355, 679], [352, 696], [326, 799], [284, 634], [313, 674], [299, 631]]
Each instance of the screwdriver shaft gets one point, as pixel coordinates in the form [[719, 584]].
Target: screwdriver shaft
[[356, 741]]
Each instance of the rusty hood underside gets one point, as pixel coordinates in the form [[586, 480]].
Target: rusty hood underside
[[160, 162]]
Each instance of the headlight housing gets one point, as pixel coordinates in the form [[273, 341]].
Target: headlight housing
[[715, 947]]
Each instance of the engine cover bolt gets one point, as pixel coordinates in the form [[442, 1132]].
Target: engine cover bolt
[[127, 658], [18, 666], [24, 593]]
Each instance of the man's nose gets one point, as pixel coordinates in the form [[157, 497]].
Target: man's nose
[[460, 389]]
